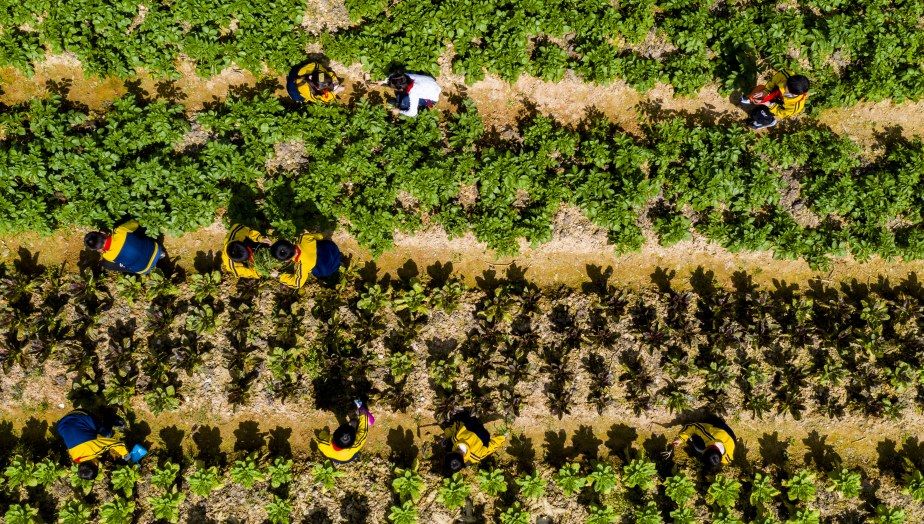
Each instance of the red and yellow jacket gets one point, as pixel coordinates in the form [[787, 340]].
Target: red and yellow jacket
[[305, 90], [327, 448], [305, 259], [239, 233], [710, 435], [472, 448], [81, 435], [130, 251], [782, 106]]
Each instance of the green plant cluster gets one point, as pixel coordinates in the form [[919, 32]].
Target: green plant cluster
[[866, 50], [63, 165], [178, 487], [121, 37]]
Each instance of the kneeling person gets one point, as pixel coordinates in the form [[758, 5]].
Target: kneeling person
[[470, 442], [88, 440], [714, 444], [783, 97], [348, 439], [311, 255], [127, 249], [240, 246]]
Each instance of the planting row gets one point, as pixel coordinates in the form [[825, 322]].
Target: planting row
[[866, 50], [436, 344], [310, 167], [257, 486]]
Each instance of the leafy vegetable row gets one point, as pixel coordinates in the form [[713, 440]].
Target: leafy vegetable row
[[62, 166], [866, 50]]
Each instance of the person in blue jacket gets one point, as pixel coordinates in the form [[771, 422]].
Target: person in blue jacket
[[127, 249], [89, 439]]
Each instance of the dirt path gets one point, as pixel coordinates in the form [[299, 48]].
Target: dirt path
[[500, 103], [577, 251]]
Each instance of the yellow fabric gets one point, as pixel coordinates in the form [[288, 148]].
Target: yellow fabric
[[347, 454], [785, 107], [94, 449], [305, 90], [241, 270], [118, 240], [476, 451], [710, 435], [307, 258]]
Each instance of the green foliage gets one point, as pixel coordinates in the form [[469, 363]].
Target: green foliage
[[407, 484], [162, 399], [848, 483], [117, 511], [279, 472], [406, 513], [167, 506], [648, 514], [326, 474], [569, 479], [683, 516], [515, 515], [21, 514], [164, 476], [75, 512], [888, 515], [805, 516], [601, 515], [762, 491], [453, 492], [279, 511], [640, 473], [723, 492], [125, 477], [203, 481], [914, 485], [679, 489], [246, 472], [801, 487], [492, 482], [531, 486], [603, 478]]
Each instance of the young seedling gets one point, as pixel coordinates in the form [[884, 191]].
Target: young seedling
[[602, 515], [531, 486], [407, 484], [124, 479], [801, 487], [117, 511], [648, 514], [640, 473], [683, 516], [326, 475], [406, 513], [569, 479], [279, 511], [846, 483], [889, 515], [603, 478], [679, 489], [246, 472], [75, 512], [805, 516], [492, 482], [167, 506], [204, 481], [453, 492], [914, 485], [762, 492], [723, 492], [21, 514], [279, 472], [164, 477], [515, 515]]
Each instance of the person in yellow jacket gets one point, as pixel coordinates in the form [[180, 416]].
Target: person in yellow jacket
[[469, 442], [127, 249], [784, 96], [310, 255], [240, 245], [713, 442], [312, 81], [349, 438], [89, 438]]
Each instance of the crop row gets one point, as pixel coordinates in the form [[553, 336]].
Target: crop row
[[279, 487], [438, 344], [853, 51], [63, 166]]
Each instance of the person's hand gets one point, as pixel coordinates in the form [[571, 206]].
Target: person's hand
[[395, 111], [274, 273], [667, 453]]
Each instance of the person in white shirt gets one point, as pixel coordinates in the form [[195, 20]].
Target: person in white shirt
[[414, 92]]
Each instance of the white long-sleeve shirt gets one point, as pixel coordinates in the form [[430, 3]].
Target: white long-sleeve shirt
[[423, 88]]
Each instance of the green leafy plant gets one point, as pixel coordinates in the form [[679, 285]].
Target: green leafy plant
[[801, 487], [167, 506], [246, 472], [21, 514], [279, 472], [640, 473], [569, 479], [648, 514], [492, 482], [888, 515], [453, 492], [326, 474], [603, 478], [762, 491], [203, 481], [407, 484], [601, 515], [124, 479], [406, 513], [847, 483], [117, 511], [723, 492], [75, 512], [515, 515], [279, 511], [162, 399], [164, 476], [531, 486], [679, 489]]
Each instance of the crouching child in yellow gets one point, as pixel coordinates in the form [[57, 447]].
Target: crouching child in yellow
[[348, 439], [469, 441], [89, 439]]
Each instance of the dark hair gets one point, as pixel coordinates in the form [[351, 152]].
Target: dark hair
[[797, 84], [399, 81], [282, 250], [344, 436], [237, 251], [94, 240], [87, 470], [454, 462], [713, 456]]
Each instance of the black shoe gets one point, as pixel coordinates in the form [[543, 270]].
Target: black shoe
[[755, 125], [745, 101]]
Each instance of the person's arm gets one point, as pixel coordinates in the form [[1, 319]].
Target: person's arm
[[414, 106], [685, 433], [788, 107], [495, 444], [776, 81], [362, 431]]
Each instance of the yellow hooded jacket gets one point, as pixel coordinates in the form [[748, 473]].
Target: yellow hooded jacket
[[475, 450], [710, 435], [305, 90], [304, 261], [344, 455], [239, 269], [785, 106]]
